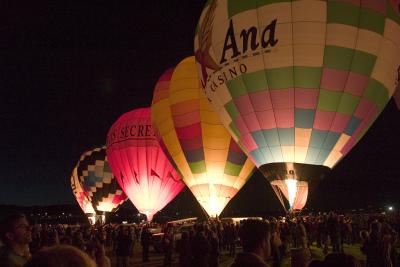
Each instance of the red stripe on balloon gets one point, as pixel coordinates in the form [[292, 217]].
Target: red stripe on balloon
[[189, 132], [323, 120], [356, 84], [340, 122], [306, 98], [334, 80]]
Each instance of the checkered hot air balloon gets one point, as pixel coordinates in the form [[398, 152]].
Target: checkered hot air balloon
[[98, 182], [139, 164], [211, 163], [298, 83], [81, 198]]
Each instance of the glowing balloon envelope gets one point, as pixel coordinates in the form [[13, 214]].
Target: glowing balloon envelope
[[141, 167], [81, 198], [211, 163], [98, 182], [298, 83]]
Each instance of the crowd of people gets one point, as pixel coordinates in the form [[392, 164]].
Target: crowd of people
[[249, 242]]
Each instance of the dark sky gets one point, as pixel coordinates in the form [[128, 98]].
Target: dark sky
[[68, 71]]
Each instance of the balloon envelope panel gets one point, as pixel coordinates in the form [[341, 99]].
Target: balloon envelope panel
[[298, 81], [141, 167], [98, 182], [211, 163]]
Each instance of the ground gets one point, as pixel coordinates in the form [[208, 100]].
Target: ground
[[156, 259]]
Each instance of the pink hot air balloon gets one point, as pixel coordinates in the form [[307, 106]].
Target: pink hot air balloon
[[140, 166]]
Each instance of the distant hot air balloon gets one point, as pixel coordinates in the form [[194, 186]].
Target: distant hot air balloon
[[141, 167], [80, 195], [298, 83], [211, 163], [98, 182]]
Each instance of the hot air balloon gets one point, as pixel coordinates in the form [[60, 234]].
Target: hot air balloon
[[80, 195], [98, 182], [211, 163], [139, 164], [298, 83]]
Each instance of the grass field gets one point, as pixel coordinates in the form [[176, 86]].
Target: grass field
[[316, 253], [156, 259]]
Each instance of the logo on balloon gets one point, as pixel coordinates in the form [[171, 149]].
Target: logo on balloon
[[249, 40], [225, 76], [131, 132], [203, 53], [250, 43]]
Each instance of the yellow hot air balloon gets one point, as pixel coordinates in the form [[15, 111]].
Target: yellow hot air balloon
[[212, 165]]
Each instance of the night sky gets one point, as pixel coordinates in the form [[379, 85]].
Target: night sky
[[68, 71]]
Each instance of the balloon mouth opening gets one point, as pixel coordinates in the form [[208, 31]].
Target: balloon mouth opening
[[292, 181], [214, 204], [292, 190], [149, 214], [293, 171]]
